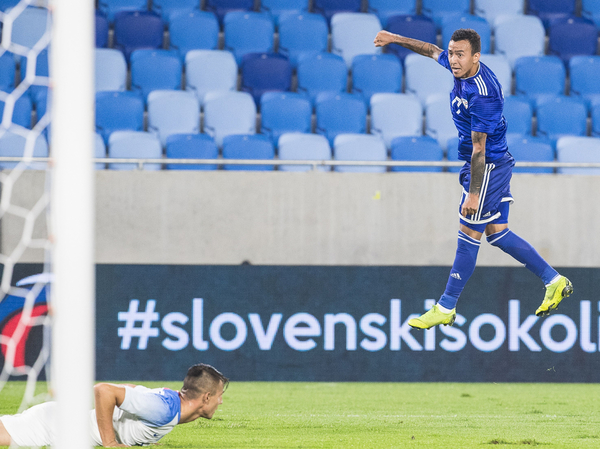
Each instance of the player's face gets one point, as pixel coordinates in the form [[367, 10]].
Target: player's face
[[463, 63], [213, 402]]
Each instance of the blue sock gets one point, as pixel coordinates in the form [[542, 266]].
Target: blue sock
[[462, 269], [518, 248]]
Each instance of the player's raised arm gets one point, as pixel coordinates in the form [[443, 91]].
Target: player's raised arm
[[384, 38], [107, 397]]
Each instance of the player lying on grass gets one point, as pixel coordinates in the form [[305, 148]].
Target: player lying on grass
[[477, 102], [126, 414]]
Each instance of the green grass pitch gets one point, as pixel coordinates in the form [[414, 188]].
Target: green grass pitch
[[388, 415]]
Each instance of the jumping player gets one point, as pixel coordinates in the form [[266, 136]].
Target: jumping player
[[125, 414], [477, 102]]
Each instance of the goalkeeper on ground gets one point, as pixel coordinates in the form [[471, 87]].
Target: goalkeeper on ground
[[125, 414]]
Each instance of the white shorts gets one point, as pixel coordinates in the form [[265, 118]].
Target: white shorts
[[34, 427]]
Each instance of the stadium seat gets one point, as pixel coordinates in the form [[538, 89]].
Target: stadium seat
[[531, 149], [168, 9], [384, 9], [561, 116], [111, 69], [490, 9], [155, 70], [413, 26], [222, 7], [5, 5], [191, 146], [572, 36], [136, 30], [14, 145], [352, 34], [99, 151], [30, 26], [501, 68], [7, 71], [439, 9], [438, 118], [173, 112], [425, 77], [133, 145], [227, 113], [396, 115], [416, 148], [518, 36], [519, 114], [193, 30], [112, 7], [590, 9], [284, 112], [299, 146], [539, 77], [249, 146], [578, 149], [584, 73], [101, 27], [452, 154], [479, 24], [550, 10], [375, 73], [264, 72], [280, 8], [359, 147], [340, 113], [41, 70], [248, 32], [328, 8], [324, 72], [210, 71], [21, 114], [116, 111], [301, 35]]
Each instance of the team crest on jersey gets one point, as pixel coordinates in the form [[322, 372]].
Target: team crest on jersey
[[460, 101]]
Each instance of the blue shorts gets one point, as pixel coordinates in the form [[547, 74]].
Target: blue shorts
[[495, 195]]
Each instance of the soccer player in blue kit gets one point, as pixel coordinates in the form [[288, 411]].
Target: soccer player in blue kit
[[476, 103]]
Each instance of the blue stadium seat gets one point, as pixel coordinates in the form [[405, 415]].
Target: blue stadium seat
[[590, 9], [396, 115], [30, 26], [550, 10], [99, 151], [264, 72], [7, 72], [584, 73], [501, 68], [578, 149], [479, 24], [518, 36], [572, 36], [193, 30], [376, 73], [519, 114], [173, 112], [439, 9], [41, 70], [384, 9], [112, 7], [352, 34], [191, 146], [210, 71], [136, 30], [168, 9], [425, 77], [340, 113], [324, 72], [116, 111], [111, 69], [101, 27], [561, 116], [134, 144], [155, 70], [284, 112], [280, 8], [452, 154], [531, 149], [490, 9], [539, 77], [300, 146], [222, 7], [7, 4], [359, 147], [248, 32], [249, 146], [438, 118], [227, 113], [596, 119], [21, 112], [13, 145], [416, 148], [328, 8], [415, 27], [301, 35]]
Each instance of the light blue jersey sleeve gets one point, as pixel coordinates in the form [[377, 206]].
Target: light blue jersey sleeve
[[154, 407]]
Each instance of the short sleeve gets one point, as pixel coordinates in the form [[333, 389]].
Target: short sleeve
[[443, 60], [486, 113], [154, 407]]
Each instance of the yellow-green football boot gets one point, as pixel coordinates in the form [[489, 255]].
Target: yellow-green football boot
[[433, 317], [555, 293]]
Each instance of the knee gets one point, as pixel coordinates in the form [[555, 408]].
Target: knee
[[498, 239]]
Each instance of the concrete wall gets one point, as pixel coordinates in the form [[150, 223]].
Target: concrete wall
[[221, 217]]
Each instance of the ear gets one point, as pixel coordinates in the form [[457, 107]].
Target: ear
[[205, 398], [476, 57]]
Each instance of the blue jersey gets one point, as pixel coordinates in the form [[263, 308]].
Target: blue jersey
[[477, 103]]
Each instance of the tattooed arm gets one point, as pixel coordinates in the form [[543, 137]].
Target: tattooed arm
[[471, 204], [384, 38]]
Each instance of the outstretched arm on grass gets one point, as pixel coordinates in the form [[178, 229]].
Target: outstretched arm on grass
[[107, 397]]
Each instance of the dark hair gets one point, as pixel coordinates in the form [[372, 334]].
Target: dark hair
[[467, 34], [202, 378]]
